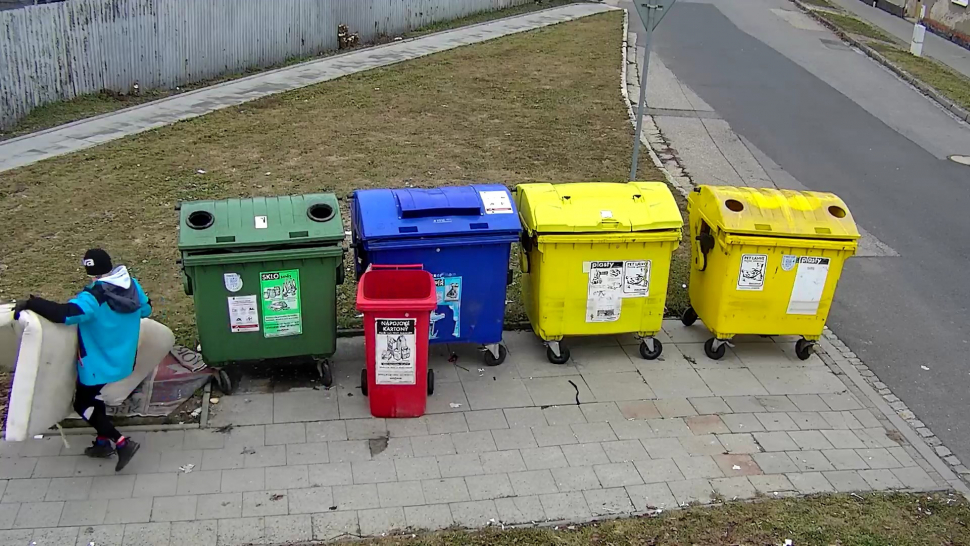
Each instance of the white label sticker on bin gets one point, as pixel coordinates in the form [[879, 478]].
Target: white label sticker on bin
[[243, 314], [751, 276], [396, 358], [604, 296], [496, 202], [788, 262], [262, 222], [604, 214], [232, 281], [636, 279], [806, 294]]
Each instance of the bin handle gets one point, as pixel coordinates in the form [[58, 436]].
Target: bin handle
[[395, 267], [706, 243]]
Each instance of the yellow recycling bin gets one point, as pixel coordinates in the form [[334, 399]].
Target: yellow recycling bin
[[596, 259], [765, 261]]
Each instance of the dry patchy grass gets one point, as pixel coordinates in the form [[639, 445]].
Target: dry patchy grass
[[538, 106]]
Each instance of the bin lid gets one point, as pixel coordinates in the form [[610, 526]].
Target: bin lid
[[481, 209], [772, 212], [260, 222], [598, 207]]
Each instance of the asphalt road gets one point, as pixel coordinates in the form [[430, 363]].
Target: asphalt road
[[838, 122]]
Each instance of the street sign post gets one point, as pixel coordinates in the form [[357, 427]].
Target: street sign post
[[651, 13]]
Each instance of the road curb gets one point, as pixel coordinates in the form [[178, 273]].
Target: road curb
[[848, 365], [923, 87], [843, 362]]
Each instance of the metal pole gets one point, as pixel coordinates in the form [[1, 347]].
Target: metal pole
[[648, 24]]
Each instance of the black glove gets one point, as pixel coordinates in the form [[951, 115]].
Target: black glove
[[21, 305]]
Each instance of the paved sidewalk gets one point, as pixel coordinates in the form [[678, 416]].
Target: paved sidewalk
[[83, 134], [938, 48], [505, 445]]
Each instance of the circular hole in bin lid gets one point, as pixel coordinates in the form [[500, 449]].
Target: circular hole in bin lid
[[320, 212], [200, 219], [734, 205], [838, 212]]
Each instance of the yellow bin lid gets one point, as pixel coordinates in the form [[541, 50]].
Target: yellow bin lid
[[771, 212], [585, 207]]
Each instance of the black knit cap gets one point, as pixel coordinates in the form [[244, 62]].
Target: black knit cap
[[97, 262]]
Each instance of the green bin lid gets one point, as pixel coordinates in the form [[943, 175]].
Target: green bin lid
[[260, 222]]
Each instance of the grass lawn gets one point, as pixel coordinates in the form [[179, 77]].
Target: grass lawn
[[845, 520], [853, 25], [819, 3], [86, 106], [538, 106], [944, 79]]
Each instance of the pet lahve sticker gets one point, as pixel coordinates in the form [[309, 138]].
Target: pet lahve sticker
[[636, 279], [752, 273], [282, 315], [396, 359], [806, 294]]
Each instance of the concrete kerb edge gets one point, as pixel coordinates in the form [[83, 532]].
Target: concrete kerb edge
[[295, 66], [838, 359], [923, 87], [843, 367], [624, 46]]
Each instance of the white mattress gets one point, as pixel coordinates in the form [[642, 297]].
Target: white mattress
[[43, 356], [44, 378]]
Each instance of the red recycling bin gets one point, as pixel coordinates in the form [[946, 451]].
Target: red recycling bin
[[397, 301]]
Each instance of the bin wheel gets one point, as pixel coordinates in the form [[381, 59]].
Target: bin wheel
[[647, 354], [804, 349], [326, 374], [490, 359], [711, 353], [430, 382], [224, 380], [363, 382], [563, 355], [689, 317]]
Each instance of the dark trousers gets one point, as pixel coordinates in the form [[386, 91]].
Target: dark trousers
[[88, 404]]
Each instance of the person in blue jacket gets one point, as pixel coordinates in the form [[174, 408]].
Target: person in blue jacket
[[108, 315]]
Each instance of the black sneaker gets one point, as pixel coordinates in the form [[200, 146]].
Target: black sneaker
[[100, 449], [125, 453]]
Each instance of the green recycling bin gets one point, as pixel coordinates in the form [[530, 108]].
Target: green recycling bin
[[264, 275]]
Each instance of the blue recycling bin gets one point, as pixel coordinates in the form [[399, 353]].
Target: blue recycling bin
[[463, 236]]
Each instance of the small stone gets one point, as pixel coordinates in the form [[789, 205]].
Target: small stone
[[924, 432], [879, 385], [934, 441], [884, 392], [915, 423], [908, 415], [943, 451], [898, 406], [891, 398], [952, 460]]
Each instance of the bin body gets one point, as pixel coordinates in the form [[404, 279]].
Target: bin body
[[461, 235], [596, 256], [263, 274], [396, 306], [776, 259]]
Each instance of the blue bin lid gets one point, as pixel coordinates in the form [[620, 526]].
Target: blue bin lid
[[486, 209]]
